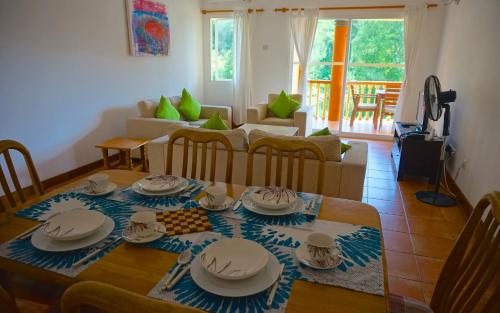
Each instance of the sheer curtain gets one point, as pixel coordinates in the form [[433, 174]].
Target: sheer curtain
[[414, 20], [303, 24], [242, 65]]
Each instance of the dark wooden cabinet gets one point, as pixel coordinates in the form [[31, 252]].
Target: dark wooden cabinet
[[413, 155]]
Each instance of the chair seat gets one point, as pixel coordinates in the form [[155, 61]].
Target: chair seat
[[277, 121], [198, 123], [401, 304], [367, 106]]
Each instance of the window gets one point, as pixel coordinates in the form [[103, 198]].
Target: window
[[221, 49]]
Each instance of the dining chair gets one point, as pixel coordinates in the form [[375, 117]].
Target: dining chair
[[471, 267], [289, 146], [111, 299], [5, 147], [359, 106], [389, 102], [204, 138]]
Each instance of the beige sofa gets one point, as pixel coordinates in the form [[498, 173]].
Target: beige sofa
[[344, 175], [147, 110], [302, 118]]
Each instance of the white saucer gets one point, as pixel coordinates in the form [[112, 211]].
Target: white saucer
[[303, 257], [296, 207], [109, 189], [226, 205], [236, 288], [40, 241], [157, 234], [136, 187]]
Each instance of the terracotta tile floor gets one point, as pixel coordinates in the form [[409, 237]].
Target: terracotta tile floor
[[417, 236]]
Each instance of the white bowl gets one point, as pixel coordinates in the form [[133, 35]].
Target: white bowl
[[234, 258], [159, 183], [73, 224], [273, 198]]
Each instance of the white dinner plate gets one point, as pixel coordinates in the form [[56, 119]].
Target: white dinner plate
[[157, 234], [304, 258], [73, 224], [296, 207], [236, 288], [42, 242], [226, 205], [234, 258], [273, 198], [160, 183], [109, 189], [136, 187]]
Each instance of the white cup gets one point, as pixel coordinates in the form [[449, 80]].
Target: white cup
[[321, 247], [143, 223], [216, 196], [97, 183]]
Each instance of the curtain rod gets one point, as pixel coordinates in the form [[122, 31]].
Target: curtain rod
[[229, 11], [432, 5]]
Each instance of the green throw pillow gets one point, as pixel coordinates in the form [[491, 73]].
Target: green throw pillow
[[166, 110], [215, 122], [284, 106], [322, 132], [189, 106], [345, 147]]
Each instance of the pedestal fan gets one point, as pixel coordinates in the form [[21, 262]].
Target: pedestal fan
[[435, 101]]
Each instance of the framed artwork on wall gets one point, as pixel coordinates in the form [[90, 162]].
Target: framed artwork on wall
[[149, 28]]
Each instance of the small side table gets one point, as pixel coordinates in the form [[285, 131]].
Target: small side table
[[124, 145]]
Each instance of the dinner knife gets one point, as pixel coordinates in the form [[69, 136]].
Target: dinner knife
[[275, 287], [96, 251]]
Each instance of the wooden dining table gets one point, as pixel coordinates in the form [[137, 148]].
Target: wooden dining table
[[139, 269]]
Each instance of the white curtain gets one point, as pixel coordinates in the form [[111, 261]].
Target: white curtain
[[414, 16], [242, 65], [303, 24]]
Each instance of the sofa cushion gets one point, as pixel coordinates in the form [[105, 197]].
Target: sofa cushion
[[189, 106], [322, 132], [146, 108], [283, 106], [271, 97], [277, 121], [329, 144], [215, 122], [166, 110]]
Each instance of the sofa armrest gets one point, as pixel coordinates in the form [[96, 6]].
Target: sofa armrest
[[354, 171], [143, 127], [225, 112], [302, 118], [257, 113]]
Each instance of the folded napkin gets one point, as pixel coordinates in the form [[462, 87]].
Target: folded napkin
[[184, 221]]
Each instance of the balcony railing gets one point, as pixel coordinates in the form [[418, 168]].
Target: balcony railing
[[319, 96]]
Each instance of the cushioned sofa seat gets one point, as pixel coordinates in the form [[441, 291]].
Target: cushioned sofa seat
[[277, 121]]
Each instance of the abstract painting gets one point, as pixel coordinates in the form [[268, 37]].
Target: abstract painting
[[149, 28]]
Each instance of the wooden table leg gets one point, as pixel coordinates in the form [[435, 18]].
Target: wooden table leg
[[122, 156], [144, 159], [128, 160], [105, 158]]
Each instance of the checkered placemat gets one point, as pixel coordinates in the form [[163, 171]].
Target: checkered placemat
[[184, 221]]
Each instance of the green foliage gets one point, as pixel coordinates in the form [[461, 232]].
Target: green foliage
[[221, 48]]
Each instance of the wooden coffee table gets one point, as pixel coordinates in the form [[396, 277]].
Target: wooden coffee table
[[277, 130], [124, 145]]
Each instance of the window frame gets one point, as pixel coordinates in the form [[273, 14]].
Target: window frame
[[211, 51]]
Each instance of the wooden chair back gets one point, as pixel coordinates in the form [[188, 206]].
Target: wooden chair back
[[5, 147], [473, 262], [290, 147], [200, 137], [110, 299], [391, 95]]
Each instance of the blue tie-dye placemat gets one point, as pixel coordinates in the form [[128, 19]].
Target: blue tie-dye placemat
[[186, 291], [166, 203], [299, 220], [24, 252]]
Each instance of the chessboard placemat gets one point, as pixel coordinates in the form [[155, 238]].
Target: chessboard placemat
[[184, 221]]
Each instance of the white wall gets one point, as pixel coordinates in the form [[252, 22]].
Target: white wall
[[469, 63], [67, 80], [272, 65]]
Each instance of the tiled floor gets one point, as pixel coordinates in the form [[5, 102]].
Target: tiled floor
[[417, 236], [359, 127]]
